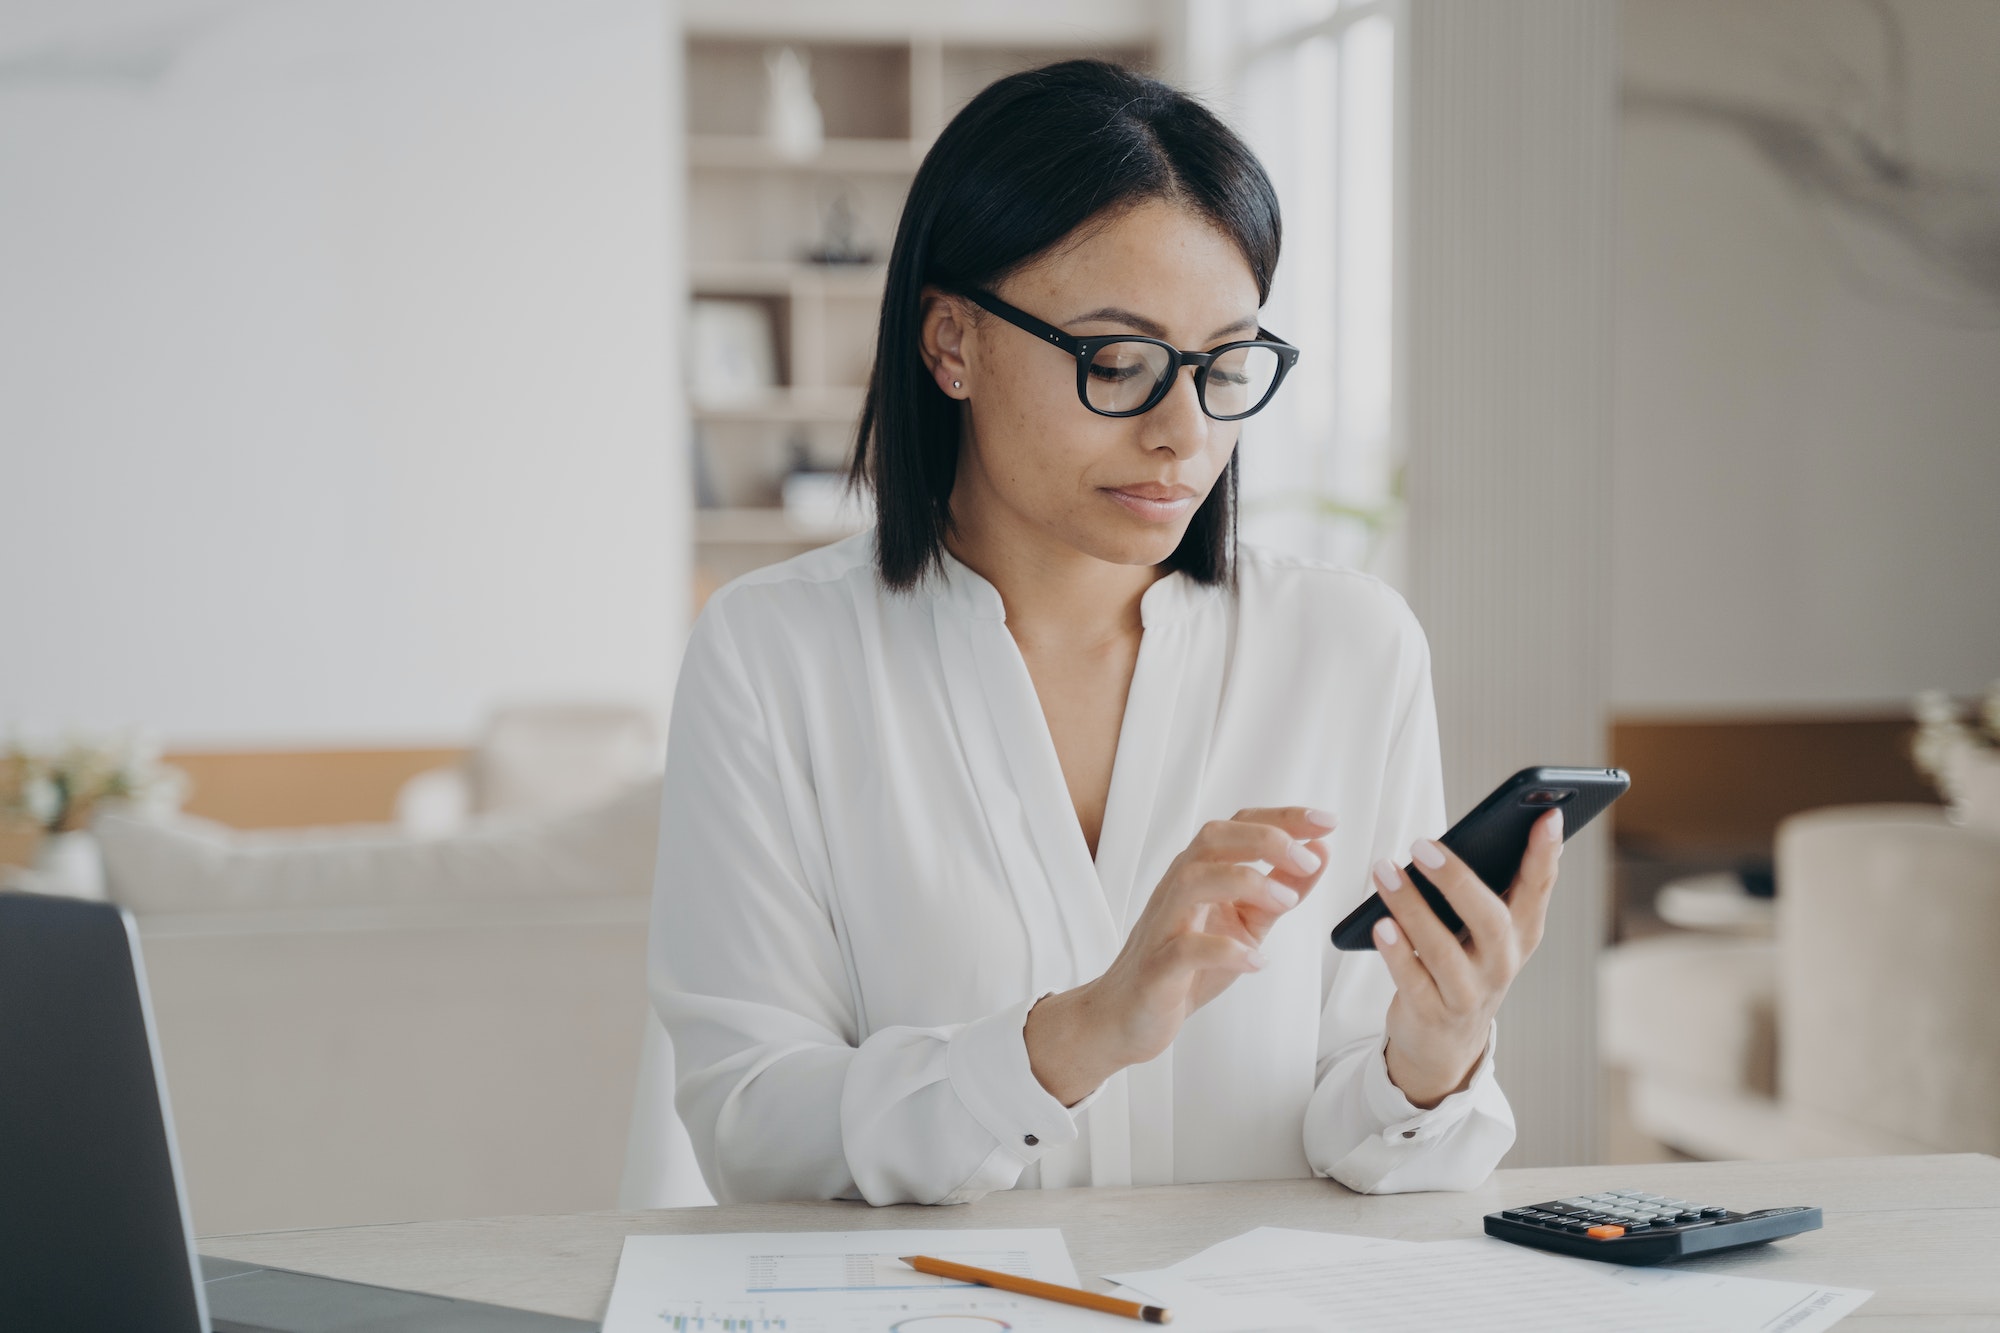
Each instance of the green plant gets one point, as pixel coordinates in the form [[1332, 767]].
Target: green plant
[[56, 787], [1942, 728]]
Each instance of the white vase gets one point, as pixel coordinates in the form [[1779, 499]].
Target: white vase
[[1972, 775], [792, 120], [70, 864]]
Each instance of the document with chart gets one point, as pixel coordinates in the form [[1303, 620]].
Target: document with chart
[[1371, 1285], [840, 1282]]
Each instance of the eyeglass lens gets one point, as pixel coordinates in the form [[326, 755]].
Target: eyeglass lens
[[1123, 375]]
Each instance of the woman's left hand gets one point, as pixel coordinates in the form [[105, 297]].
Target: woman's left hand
[[1447, 991]]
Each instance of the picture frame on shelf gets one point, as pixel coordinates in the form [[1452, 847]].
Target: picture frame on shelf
[[732, 350]]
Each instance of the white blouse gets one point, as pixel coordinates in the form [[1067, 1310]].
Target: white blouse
[[870, 868]]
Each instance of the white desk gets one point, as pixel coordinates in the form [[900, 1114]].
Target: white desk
[[1922, 1232]]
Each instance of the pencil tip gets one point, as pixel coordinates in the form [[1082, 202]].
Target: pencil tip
[[1155, 1315]]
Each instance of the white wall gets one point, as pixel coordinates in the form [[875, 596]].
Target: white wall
[[1807, 459], [335, 353]]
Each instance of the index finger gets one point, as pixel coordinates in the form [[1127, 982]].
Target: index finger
[[1244, 840], [1301, 821]]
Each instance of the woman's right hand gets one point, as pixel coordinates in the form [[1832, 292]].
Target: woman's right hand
[[1200, 930]]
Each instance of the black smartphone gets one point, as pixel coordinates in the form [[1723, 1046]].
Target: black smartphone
[[1493, 838]]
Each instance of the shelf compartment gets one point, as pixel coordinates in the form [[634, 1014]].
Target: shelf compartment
[[775, 217], [862, 88]]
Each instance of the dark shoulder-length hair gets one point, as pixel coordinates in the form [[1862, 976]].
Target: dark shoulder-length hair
[[1028, 161]]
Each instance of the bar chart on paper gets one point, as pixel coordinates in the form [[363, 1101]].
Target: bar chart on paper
[[700, 1318], [839, 1282]]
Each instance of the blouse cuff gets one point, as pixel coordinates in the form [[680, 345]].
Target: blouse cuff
[[987, 1062], [1402, 1120]]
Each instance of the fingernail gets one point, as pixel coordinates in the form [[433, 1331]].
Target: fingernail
[[1555, 830], [1302, 858], [1427, 853], [1386, 933], [1284, 897], [1323, 818], [1255, 959], [1386, 876]]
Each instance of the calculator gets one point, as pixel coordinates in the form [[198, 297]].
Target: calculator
[[1632, 1227]]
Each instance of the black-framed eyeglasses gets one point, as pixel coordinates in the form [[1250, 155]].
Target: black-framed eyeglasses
[[1123, 374]]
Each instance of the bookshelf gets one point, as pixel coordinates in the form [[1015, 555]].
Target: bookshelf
[[886, 76]]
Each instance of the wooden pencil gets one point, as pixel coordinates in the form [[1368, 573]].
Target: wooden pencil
[[1048, 1291]]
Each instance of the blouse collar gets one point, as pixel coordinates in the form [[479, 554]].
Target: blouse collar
[[969, 593]]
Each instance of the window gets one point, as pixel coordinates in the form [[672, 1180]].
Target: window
[[1310, 84]]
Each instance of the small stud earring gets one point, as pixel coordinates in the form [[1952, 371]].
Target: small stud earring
[[956, 385]]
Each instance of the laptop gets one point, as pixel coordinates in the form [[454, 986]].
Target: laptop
[[95, 1229]]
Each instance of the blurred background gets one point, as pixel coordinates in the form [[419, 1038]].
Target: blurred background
[[384, 386]]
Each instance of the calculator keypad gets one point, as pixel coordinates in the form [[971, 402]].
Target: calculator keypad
[[1615, 1213]]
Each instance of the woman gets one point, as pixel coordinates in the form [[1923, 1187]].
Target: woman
[[999, 844]]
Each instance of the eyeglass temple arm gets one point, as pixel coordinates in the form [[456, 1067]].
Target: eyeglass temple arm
[[1022, 319]]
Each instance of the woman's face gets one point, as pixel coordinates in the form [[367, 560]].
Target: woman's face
[[1035, 463]]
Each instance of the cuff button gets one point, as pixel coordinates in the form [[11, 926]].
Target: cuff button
[[1409, 1133], [1030, 1140]]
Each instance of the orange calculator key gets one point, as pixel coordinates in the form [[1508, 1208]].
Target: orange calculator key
[[1607, 1232]]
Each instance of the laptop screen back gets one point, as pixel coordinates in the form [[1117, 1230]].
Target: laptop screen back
[[92, 1231]]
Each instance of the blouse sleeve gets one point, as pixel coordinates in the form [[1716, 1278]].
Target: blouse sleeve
[[1360, 1128], [781, 1093]]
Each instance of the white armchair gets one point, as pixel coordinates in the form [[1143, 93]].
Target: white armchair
[[1889, 932], [1866, 1026]]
